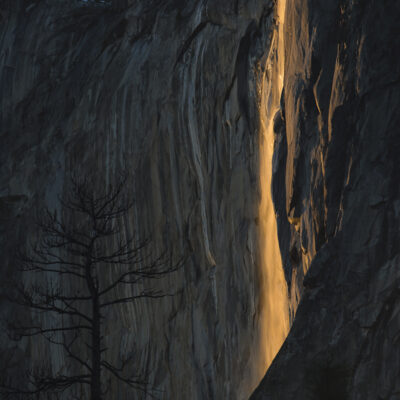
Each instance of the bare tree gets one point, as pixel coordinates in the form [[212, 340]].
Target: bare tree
[[91, 263]]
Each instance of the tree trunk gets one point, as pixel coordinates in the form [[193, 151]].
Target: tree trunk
[[96, 351]]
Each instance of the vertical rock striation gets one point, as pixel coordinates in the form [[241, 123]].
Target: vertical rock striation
[[337, 199], [169, 90]]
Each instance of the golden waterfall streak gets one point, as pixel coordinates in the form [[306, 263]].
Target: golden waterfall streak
[[275, 304]]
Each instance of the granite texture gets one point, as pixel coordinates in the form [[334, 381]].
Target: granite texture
[[169, 91]]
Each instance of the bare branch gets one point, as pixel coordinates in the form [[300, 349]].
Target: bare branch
[[28, 331], [47, 304], [144, 295]]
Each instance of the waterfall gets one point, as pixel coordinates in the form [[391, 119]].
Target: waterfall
[[274, 298]]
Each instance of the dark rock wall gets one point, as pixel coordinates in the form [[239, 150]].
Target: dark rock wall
[[337, 169], [169, 90]]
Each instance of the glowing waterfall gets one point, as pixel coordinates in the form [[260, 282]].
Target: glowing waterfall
[[275, 308]]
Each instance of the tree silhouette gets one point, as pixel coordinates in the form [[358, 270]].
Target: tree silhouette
[[91, 263]]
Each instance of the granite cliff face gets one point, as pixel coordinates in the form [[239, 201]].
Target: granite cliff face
[[336, 193], [184, 94], [169, 91]]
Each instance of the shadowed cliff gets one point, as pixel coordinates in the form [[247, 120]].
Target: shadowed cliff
[[168, 90], [336, 194]]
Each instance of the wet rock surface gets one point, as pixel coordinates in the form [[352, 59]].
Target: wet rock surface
[[336, 168]]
